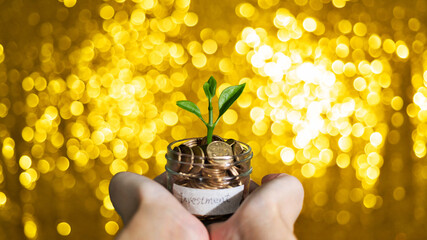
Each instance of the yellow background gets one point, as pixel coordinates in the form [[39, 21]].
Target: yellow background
[[336, 96]]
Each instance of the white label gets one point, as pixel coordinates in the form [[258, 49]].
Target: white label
[[209, 201]]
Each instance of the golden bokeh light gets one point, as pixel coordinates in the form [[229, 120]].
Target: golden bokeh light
[[63, 228]]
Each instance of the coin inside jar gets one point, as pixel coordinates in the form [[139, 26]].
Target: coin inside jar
[[198, 159], [186, 158], [175, 164], [216, 150], [204, 140], [233, 171], [219, 149], [237, 148]]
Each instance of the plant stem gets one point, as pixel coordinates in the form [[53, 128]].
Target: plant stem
[[210, 133], [210, 125]]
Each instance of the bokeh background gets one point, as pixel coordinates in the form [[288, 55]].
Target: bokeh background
[[336, 96]]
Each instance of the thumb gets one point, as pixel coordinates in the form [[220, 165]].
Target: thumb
[[288, 192]]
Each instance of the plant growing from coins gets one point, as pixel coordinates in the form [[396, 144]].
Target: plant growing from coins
[[227, 97]]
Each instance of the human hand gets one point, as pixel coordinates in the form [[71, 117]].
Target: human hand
[[149, 211], [269, 212]]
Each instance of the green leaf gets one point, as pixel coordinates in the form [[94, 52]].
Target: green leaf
[[212, 85], [228, 97], [191, 107], [207, 90]]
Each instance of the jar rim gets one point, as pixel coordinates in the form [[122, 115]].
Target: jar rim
[[246, 155]]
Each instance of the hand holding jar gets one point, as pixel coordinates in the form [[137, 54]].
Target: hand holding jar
[[150, 211]]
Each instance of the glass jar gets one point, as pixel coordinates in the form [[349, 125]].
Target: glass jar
[[211, 188]]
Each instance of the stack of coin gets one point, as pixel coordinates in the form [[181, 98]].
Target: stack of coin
[[208, 166]]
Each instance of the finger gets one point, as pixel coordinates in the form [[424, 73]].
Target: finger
[[161, 179], [252, 186], [127, 190], [284, 188], [269, 177], [275, 206]]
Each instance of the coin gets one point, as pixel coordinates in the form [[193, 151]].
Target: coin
[[230, 142], [219, 149], [220, 154], [213, 172], [238, 148], [210, 166], [204, 140], [186, 158], [198, 158], [191, 143], [233, 171], [174, 166]]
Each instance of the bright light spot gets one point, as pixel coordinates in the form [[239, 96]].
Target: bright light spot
[[397, 103], [369, 200], [376, 139], [309, 24], [374, 41], [106, 12], [257, 114], [402, 51], [287, 155], [373, 172], [339, 3], [170, 118], [342, 50], [307, 72], [345, 26], [345, 144], [25, 162], [230, 117], [108, 204], [3, 198], [373, 98], [266, 52], [199, 60], [210, 46], [389, 46], [252, 39], [376, 66], [360, 29], [359, 84], [191, 19], [77, 108], [343, 160], [30, 229], [70, 3], [137, 17], [308, 170], [63, 228], [111, 228]]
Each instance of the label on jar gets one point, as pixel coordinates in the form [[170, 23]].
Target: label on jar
[[209, 202]]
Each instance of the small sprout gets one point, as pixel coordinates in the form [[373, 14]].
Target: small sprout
[[226, 99]]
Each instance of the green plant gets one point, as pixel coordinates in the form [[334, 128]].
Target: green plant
[[227, 97]]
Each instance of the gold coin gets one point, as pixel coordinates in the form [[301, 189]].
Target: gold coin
[[176, 158], [230, 142], [233, 171], [204, 140], [191, 143], [198, 158], [238, 148], [219, 149], [213, 172], [186, 158]]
